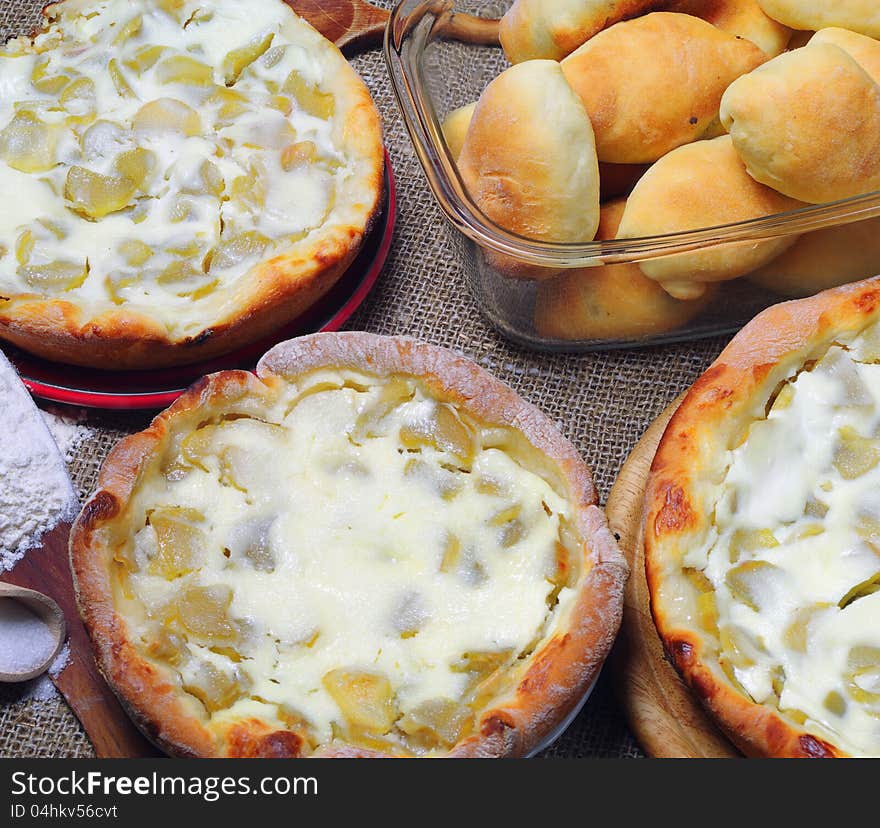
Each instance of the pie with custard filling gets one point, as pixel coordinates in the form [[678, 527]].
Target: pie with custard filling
[[183, 177], [371, 548], [762, 530]]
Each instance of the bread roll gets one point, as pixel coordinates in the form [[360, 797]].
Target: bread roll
[[614, 179], [610, 301], [858, 15], [824, 259], [529, 159], [702, 185], [863, 50], [455, 127], [742, 18], [654, 83], [555, 28], [808, 124]]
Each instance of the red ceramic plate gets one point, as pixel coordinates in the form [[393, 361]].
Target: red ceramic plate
[[157, 389]]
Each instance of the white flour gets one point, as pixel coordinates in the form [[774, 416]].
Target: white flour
[[35, 490], [66, 430]]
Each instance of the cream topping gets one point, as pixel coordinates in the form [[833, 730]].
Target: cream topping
[[358, 525], [795, 561], [158, 149]]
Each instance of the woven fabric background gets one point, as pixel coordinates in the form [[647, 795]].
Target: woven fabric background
[[602, 401]]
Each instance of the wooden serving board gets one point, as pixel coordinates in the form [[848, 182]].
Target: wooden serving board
[[354, 25], [46, 568], [665, 718], [350, 24]]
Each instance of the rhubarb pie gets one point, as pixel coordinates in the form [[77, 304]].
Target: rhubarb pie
[[762, 530], [180, 177], [370, 548]]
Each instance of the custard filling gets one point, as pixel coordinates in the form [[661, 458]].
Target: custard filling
[[361, 561], [158, 150], [789, 584]]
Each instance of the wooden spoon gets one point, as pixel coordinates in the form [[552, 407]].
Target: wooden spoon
[[49, 613], [354, 25]]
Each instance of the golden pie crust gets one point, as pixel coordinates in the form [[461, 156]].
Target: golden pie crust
[[290, 263], [737, 390], [537, 691]]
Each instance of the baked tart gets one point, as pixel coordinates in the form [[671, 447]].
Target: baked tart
[[182, 177], [369, 548], [762, 530]]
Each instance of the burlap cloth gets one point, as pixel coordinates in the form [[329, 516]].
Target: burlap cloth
[[601, 401]]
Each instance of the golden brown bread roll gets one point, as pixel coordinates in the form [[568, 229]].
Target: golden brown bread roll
[[554, 28], [610, 301], [742, 18], [858, 15], [614, 179], [824, 259], [455, 127], [704, 184], [807, 123], [654, 83], [529, 159], [863, 50]]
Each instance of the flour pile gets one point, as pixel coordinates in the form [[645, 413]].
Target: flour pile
[[66, 429], [35, 490]]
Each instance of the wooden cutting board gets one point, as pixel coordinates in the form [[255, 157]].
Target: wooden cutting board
[[113, 735], [665, 718], [350, 24], [354, 25]]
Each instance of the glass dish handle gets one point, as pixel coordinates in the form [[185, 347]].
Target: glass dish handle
[[450, 24]]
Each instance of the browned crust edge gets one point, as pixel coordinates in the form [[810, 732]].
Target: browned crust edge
[[270, 295], [561, 671], [733, 392]]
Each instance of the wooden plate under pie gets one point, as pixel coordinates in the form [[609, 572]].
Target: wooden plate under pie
[[663, 715]]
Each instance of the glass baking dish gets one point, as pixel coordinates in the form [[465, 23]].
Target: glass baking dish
[[435, 67]]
